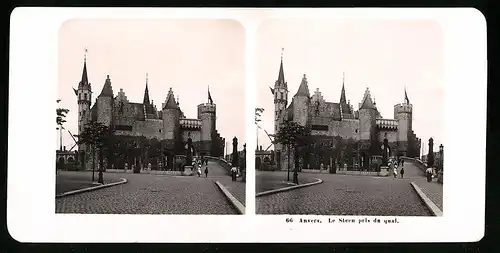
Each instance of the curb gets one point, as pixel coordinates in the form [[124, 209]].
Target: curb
[[123, 181], [236, 203], [430, 205], [288, 188]]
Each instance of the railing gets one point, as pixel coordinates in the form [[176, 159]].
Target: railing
[[223, 163], [417, 162]]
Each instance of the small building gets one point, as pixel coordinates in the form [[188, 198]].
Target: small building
[[263, 159], [66, 160]]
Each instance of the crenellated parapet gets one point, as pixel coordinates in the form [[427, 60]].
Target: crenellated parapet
[[206, 108], [387, 124], [403, 108], [190, 123]]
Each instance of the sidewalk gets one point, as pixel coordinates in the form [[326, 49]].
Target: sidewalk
[[236, 188], [67, 181], [266, 180], [433, 190]]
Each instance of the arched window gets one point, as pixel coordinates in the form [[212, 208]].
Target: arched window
[[85, 96]]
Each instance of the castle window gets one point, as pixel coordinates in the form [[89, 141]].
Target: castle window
[[85, 96], [159, 130], [123, 127], [356, 130], [319, 127]]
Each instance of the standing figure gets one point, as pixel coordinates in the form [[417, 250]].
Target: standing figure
[[395, 172], [199, 170], [402, 172], [206, 171], [428, 173], [233, 173]]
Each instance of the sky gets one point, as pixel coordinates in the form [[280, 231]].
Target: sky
[[185, 55], [384, 55]]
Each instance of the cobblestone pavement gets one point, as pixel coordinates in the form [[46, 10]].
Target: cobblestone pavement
[[153, 194], [74, 180], [347, 195], [271, 180]]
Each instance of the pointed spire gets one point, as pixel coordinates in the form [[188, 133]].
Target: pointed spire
[[107, 90], [281, 74], [146, 93], [303, 88], [85, 79], [342, 93]]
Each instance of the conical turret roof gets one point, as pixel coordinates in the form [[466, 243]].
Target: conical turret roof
[[170, 104], [85, 79], [367, 101], [303, 88], [107, 90]]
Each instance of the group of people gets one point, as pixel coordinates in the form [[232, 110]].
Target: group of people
[[395, 165], [199, 165]]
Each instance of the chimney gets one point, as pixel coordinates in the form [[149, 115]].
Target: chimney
[[64, 148], [260, 147]]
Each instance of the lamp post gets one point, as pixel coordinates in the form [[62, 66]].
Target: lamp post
[[441, 159]]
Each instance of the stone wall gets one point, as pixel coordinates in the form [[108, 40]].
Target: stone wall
[[104, 110], [392, 136], [194, 133], [347, 128], [300, 110], [149, 128]]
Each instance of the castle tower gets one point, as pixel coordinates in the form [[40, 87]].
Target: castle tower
[[84, 94], [207, 114], [171, 113], [280, 93], [301, 103], [367, 128], [403, 114], [105, 104]]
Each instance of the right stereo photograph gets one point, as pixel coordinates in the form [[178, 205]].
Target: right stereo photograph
[[349, 117]]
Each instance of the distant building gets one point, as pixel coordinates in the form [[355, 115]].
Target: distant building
[[263, 158], [327, 120], [130, 120], [65, 159]]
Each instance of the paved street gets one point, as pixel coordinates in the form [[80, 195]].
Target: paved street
[[352, 195], [153, 194]]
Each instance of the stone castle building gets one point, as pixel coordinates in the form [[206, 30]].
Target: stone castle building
[[330, 120], [169, 126]]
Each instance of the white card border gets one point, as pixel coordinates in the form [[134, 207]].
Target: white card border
[[33, 85]]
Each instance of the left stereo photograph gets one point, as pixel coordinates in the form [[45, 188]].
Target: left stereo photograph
[[150, 117]]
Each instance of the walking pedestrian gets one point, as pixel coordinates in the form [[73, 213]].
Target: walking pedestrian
[[233, 173], [402, 172], [395, 172], [206, 172], [428, 173]]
